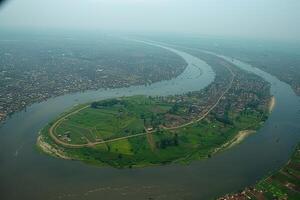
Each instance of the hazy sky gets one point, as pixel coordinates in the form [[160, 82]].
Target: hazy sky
[[244, 18]]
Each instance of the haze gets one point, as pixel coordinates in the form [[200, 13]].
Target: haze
[[274, 19]]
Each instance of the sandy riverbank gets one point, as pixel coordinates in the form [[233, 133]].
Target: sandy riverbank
[[272, 104], [47, 148], [242, 135]]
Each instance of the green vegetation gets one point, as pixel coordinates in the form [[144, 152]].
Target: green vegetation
[[111, 119], [89, 132]]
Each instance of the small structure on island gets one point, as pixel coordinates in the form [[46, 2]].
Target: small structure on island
[[150, 129]]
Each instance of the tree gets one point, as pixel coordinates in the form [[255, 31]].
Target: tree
[[94, 105], [175, 139], [120, 156], [174, 108]]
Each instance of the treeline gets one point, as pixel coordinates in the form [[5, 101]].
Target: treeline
[[107, 103], [167, 142]]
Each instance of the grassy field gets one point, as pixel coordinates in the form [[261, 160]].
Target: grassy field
[[115, 118], [110, 119]]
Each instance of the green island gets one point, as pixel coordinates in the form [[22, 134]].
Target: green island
[[283, 184], [141, 131]]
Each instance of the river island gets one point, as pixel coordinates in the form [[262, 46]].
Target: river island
[[139, 131]]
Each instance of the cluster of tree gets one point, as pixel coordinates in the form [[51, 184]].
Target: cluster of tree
[[224, 119], [253, 104], [167, 142], [106, 103], [156, 120], [174, 109]]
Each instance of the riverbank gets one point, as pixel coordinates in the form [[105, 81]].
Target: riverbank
[[50, 150], [282, 184], [240, 137], [272, 104]]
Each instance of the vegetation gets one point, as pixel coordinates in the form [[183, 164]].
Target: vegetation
[[142, 139]]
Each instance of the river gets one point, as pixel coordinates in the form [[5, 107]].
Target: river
[[27, 174]]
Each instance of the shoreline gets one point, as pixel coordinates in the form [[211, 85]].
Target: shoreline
[[49, 149], [53, 151], [288, 183], [237, 139], [272, 104], [240, 137]]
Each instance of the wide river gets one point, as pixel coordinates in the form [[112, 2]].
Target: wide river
[[27, 174]]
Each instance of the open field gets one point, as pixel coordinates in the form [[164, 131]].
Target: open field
[[109, 120]]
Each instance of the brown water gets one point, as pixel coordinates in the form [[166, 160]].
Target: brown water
[[27, 174]]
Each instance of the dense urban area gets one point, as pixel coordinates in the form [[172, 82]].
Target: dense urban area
[[33, 69]]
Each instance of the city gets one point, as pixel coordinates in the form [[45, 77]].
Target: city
[[34, 75]]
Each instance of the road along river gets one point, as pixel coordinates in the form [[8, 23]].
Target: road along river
[[27, 174]]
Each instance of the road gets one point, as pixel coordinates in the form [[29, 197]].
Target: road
[[210, 109]]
